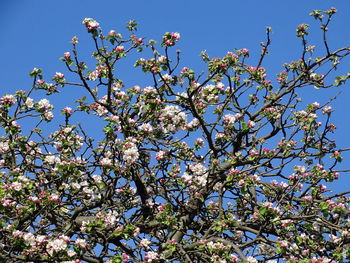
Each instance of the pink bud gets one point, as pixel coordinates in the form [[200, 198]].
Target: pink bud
[[119, 49], [66, 55]]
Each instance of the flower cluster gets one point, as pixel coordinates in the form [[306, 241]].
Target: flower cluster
[[91, 24], [153, 65], [8, 100], [67, 140], [302, 30], [130, 151], [172, 118], [210, 93], [229, 120], [169, 39], [99, 72]]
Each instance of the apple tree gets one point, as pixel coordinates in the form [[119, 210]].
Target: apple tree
[[227, 165]]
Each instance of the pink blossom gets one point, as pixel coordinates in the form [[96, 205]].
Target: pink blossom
[[326, 109], [231, 119], [145, 243], [75, 40], [17, 234], [315, 105], [162, 59], [15, 125], [251, 259], [35, 199], [149, 90], [90, 24], [68, 110], [112, 33], [17, 186], [54, 198], [48, 116], [243, 51], [151, 256], [8, 99], [81, 243], [4, 147], [44, 104], [161, 155], [58, 75], [56, 245], [184, 69], [199, 142], [119, 49], [66, 55], [192, 124], [167, 78], [172, 119], [125, 257], [146, 127], [29, 239], [251, 124], [40, 82], [29, 103], [131, 153], [308, 198]]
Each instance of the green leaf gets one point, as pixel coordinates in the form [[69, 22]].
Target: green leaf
[[299, 240], [262, 211], [279, 250]]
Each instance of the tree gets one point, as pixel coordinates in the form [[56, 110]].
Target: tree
[[223, 166]]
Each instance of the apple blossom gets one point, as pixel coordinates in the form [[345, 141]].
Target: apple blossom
[[151, 256], [66, 55], [44, 104], [119, 49], [90, 24], [131, 153], [8, 100], [29, 103]]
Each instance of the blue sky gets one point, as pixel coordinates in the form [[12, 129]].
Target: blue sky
[[36, 33]]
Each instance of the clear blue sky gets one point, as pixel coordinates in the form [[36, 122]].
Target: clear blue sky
[[36, 33]]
